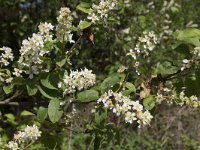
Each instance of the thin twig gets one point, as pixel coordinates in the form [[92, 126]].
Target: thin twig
[[75, 44], [8, 100]]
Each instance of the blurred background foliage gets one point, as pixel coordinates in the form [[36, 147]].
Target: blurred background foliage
[[174, 128]]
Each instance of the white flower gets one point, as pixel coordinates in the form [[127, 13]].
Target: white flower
[[93, 17], [63, 31], [9, 80], [78, 80], [32, 53], [130, 117], [101, 11], [6, 56], [20, 137], [123, 105], [17, 72], [137, 106], [145, 117], [32, 132], [145, 44], [12, 145], [122, 69], [27, 135], [45, 30]]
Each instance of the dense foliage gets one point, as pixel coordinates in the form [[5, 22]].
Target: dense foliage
[[99, 74]]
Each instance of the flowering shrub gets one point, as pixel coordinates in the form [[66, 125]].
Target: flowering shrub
[[97, 70]]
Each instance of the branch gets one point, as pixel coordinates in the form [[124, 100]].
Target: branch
[[75, 44], [174, 75], [8, 100]]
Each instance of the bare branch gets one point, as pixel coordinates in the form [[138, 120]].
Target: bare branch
[[8, 100]]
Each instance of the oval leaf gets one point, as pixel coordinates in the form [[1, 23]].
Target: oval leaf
[[149, 102], [109, 82], [53, 110], [42, 114], [84, 24], [87, 96]]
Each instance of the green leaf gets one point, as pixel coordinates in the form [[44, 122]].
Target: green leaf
[[174, 9], [18, 81], [109, 82], [10, 116], [61, 60], [149, 102], [8, 89], [32, 87], [165, 68], [42, 114], [51, 94], [142, 21], [190, 35], [100, 115], [131, 88], [10, 119], [26, 113], [87, 96], [84, 7], [53, 110], [84, 24], [47, 81], [5, 72]]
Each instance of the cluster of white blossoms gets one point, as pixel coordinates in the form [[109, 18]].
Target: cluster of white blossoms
[[167, 5], [100, 12], [123, 105], [166, 27], [45, 29], [191, 101], [77, 80], [28, 135], [150, 7], [144, 46], [181, 99], [191, 24], [33, 51], [6, 56], [63, 30], [164, 96], [186, 63]]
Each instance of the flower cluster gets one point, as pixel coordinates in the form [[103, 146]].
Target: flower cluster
[[145, 44], [123, 105], [33, 51], [166, 27], [101, 11], [165, 11], [27, 135], [6, 56], [191, 101], [45, 30], [194, 60], [181, 99], [77, 80], [150, 7], [64, 19], [164, 96], [167, 5]]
